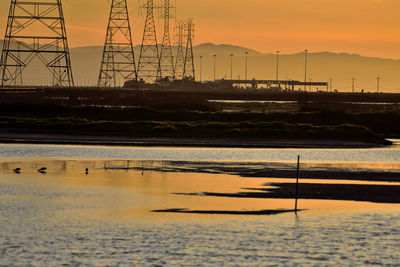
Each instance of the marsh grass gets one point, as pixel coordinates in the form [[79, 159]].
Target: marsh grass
[[183, 114], [192, 129]]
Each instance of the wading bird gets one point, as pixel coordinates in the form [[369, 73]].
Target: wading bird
[[42, 170]]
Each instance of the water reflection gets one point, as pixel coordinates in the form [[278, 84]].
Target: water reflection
[[129, 188], [68, 217]]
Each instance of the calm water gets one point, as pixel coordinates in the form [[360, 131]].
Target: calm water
[[105, 218], [378, 155]]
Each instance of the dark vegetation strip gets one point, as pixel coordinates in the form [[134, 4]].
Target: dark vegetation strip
[[194, 129], [383, 123], [188, 114]]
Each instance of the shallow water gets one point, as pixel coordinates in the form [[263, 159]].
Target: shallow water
[[105, 218], [376, 155]]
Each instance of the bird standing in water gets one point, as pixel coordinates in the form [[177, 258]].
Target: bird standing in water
[[42, 170]]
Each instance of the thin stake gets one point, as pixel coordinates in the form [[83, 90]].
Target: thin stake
[[297, 183]]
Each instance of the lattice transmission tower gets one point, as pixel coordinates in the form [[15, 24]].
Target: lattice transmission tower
[[188, 70], [149, 69], [166, 55], [118, 59], [35, 30], [180, 53]]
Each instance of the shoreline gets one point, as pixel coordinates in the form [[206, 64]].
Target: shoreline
[[73, 139]]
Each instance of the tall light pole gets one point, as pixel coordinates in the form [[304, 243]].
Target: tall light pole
[[201, 68], [353, 84], [215, 68], [231, 66], [245, 74], [330, 84], [378, 85], [277, 65], [305, 69]]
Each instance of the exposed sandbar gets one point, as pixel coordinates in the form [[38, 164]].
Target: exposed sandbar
[[345, 192], [216, 212]]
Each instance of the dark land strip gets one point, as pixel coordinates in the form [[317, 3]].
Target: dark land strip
[[389, 194], [135, 117], [216, 212]]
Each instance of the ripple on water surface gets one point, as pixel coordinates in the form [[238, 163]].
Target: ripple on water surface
[[104, 218], [388, 154]]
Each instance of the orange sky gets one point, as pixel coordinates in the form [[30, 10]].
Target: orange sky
[[367, 27]]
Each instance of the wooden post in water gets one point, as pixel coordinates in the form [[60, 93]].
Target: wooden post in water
[[297, 183]]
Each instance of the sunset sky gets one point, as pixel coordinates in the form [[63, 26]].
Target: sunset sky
[[366, 27]]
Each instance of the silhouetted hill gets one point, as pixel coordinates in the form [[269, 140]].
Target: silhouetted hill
[[212, 49], [322, 66]]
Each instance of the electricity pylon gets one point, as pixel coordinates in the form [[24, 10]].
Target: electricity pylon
[[167, 68], [118, 59], [149, 69], [188, 70], [24, 42], [180, 55]]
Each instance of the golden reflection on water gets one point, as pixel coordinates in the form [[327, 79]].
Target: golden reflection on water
[[118, 191]]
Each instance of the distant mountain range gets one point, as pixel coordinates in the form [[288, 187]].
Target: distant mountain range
[[322, 66]]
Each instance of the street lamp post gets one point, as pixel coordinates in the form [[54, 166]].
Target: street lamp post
[[305, 69], [378, 85], [201, 68], [277, 65], [231, 66], [353, 85], [215, 67], [247, 53]]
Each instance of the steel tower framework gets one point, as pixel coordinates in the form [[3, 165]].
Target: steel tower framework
[[188, 70], [118, 59], [22, 44], [166, 55], [180, 55], [149, 69]]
